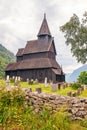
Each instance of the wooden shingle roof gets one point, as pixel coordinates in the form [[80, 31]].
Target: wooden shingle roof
[[12, 66], [33, 64], [35, 46], [57, 71], [38, 63], [20, 52]]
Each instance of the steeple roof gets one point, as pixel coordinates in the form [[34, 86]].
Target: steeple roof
[[44, 29]]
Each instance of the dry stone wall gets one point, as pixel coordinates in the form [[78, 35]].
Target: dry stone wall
[[76, 107]]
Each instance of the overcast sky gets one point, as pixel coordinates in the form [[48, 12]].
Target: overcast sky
[[20, 21]]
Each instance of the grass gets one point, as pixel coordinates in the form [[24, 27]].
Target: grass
[[47, 89], [84, 94]]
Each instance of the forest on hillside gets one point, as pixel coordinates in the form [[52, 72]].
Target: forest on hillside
[[5, 57]]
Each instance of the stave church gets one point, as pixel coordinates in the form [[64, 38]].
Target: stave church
[[38, 59]]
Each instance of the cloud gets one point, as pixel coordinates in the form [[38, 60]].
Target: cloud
[[20, 21]]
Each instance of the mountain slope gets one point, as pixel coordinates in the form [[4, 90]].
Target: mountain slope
[[5, 57], [73, 77]]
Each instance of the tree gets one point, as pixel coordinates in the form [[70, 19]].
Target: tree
[[75, 33], [83, 77]]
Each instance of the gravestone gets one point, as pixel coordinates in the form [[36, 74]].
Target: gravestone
[[59, 86], [16, 78], [74, 94], [54, 87], [19, 78], [13, 77], [7, 78], [27, 80], [79, 91], [82, 87], [85, 87], [45, 82], [36, 81], [69, 94], [8, 83], [31, 81], [28, 90], [38, 90], [63, 86]]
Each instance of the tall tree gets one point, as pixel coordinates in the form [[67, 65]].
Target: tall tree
[[75, 32], [83, 77]]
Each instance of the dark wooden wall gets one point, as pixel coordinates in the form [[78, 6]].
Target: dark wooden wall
[[11, 73], [39, 74], [50, 55], [19, 58]]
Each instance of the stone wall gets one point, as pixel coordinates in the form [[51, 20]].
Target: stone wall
[[76, 107]]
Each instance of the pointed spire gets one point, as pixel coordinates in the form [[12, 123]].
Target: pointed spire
[[44, 15], [44, 30]]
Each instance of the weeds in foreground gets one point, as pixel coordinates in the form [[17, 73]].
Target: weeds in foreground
[[16, 115]]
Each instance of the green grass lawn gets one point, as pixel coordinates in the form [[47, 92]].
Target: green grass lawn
[[47, 89], [84, 94]]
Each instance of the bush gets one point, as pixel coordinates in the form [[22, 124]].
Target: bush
[[76, 85], [83, 77]]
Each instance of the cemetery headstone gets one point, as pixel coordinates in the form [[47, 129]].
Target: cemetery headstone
[[7, 77], [85, 87], [63, 86], [8, 83], [74, 94], [27, 80], [59, 85], [82, 88], [16, 78], [13, 77], [45, 82], [79, 91], [69, 94], [19, 78], [31, 81], [54, 87], [38, 90], [28, 90], [36, 81]]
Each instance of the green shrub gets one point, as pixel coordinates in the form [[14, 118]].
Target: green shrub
[[76, 85]]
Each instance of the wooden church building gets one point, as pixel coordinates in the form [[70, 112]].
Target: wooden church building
[[38, 59]]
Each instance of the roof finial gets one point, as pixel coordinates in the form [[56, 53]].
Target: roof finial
[[44, 15]]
